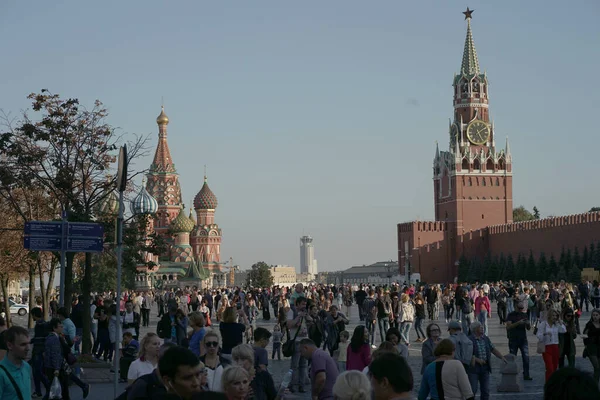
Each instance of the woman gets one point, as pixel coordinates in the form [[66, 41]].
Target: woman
[[232, 331], [223, 304], [483, 310], [54, 360], [236, 383], [148, 357], [448, 303], [181, 325], [214, 363], [393, 335], [420, 316], [455, 381], [548, 334], [407, 316], [427, 351], [352, 385], [358, 355], [591, 335], [103, 335], [566, 341], [262, 386], [196, 320], [384, 347]]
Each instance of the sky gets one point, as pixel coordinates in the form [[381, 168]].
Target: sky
[[320, 117]]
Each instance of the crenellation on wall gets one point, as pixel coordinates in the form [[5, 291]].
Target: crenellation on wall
[[546, 223]]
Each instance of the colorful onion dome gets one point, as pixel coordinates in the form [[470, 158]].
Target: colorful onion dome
[[205, 199], [109, 204], [143, 203], [162, 119], [182, 223]]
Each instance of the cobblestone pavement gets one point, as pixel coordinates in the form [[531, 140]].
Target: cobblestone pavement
[[100, 378]]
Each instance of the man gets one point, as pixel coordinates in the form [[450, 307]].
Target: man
[[384, 313], [338, 322], [584, 295], [462, 344], [360, 297], [180, 372], [149, 385], [77, 318], [261, 355], [129, 353], [432, 297], [480, 370], [323, 370], [166, 328], [468, 316], [391, 377], [517, 325], [297, 324], [15, 373], [68, 325], [131, 320], [145, 308], [370, 315], [40, 331], [298, 292]]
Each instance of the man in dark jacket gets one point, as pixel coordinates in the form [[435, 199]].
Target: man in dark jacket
[[166, 328]]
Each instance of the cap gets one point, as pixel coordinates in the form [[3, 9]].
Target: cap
[[454, 325]]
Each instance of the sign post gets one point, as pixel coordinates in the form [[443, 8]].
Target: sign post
[[121, 185]]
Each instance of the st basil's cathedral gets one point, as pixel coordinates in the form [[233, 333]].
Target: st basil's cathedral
[[193, 256]]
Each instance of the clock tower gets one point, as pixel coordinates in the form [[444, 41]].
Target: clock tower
[[473, 179]]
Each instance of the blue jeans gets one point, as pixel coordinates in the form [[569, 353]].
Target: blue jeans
[[482, 318], [384, 325], [419, 329], [480, 376], [299, 366], [466, 322], [510, 305], [371, 328], [405, 331], [515, 345]]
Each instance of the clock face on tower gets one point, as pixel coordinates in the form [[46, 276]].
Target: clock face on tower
[[478, 132]]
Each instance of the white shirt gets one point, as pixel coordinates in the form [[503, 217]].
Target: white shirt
[[549, 334], [139, 368], [303, 333], [128, 319]]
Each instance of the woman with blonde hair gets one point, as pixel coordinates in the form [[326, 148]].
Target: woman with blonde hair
[[214, 363], [148, 357], [235, 383], [352, 385], [262, 386], [406, 318], [232, 331]]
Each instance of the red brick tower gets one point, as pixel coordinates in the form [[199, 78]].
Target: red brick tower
[[473, 179], [206, 238], [163, 180]]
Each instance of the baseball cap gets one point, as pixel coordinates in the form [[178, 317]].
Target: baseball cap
[[454, 325]]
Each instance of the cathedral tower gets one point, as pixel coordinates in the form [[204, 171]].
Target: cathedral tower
[[206, 239], [163, 180], [473, 179]]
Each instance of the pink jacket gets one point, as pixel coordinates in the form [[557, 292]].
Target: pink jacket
[[485, 302], [358, 361]]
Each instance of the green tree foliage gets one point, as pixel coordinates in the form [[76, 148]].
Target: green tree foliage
[[553, 268], [531, 268], [502, 267], [260, 275], [510, 271], [521, 214], [542, 268], [521, 266], [463, 269], [577, 259], [536, 213], [594, 209], [492, 269], [585, 258]]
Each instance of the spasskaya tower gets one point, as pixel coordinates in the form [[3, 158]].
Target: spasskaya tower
[[473, 179]]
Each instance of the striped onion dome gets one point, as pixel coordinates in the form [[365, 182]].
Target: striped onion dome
[[143, 203], [109, 204], [205, 199], [182, 223]]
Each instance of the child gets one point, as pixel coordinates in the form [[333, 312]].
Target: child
[[261, 356], [129, 353], [277, 336], [342, 351]]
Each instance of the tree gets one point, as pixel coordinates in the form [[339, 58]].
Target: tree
[[463, 269], [585, 258], [594, 209], [531, 270], [536, 213], [70, 152], [553, 268], [521, 214], [542, 268], [260, 275], [520, 267], [493, 269], [502, 267], [509, 273]]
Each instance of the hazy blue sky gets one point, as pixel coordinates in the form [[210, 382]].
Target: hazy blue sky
[[321, 117]]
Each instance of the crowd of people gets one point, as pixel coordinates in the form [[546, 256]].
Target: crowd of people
[[209, 342]]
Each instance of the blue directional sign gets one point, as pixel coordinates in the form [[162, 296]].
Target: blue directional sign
[[43, 228], [42, 243], [85, 245], [85, 229]]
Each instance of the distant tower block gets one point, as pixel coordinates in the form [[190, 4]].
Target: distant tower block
[[308, 264]]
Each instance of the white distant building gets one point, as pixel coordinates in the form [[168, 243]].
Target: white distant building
[[283, 275], [308, 264]]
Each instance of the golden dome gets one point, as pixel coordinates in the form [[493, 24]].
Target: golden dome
[[162, 119]]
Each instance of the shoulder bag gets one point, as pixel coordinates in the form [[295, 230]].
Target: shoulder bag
[[289, 347], [12, 380]]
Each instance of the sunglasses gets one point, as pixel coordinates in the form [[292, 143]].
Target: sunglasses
[[212, 344]]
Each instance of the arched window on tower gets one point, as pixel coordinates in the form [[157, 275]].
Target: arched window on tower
[[465, 164], [489, 166], [476, 164]]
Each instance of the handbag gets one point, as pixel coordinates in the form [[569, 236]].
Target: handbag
[[289, 347], [12, 380]]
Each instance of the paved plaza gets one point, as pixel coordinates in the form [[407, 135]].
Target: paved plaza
[[102, 388]]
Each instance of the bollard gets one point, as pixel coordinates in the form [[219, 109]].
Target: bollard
[[510, 380]]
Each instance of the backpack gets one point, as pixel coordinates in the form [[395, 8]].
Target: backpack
[[150, 386], [597, 292]]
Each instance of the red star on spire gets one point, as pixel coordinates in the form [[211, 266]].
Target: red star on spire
[[468, 13]]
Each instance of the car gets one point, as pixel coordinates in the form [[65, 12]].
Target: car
[[16, 308]]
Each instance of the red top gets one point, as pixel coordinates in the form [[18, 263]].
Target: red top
[[485, 302], [358, 361]]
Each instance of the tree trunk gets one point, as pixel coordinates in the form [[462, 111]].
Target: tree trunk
[[50, 292], [69, 282], [32, 303], [45, 303], [4, 284], [87, 318]]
